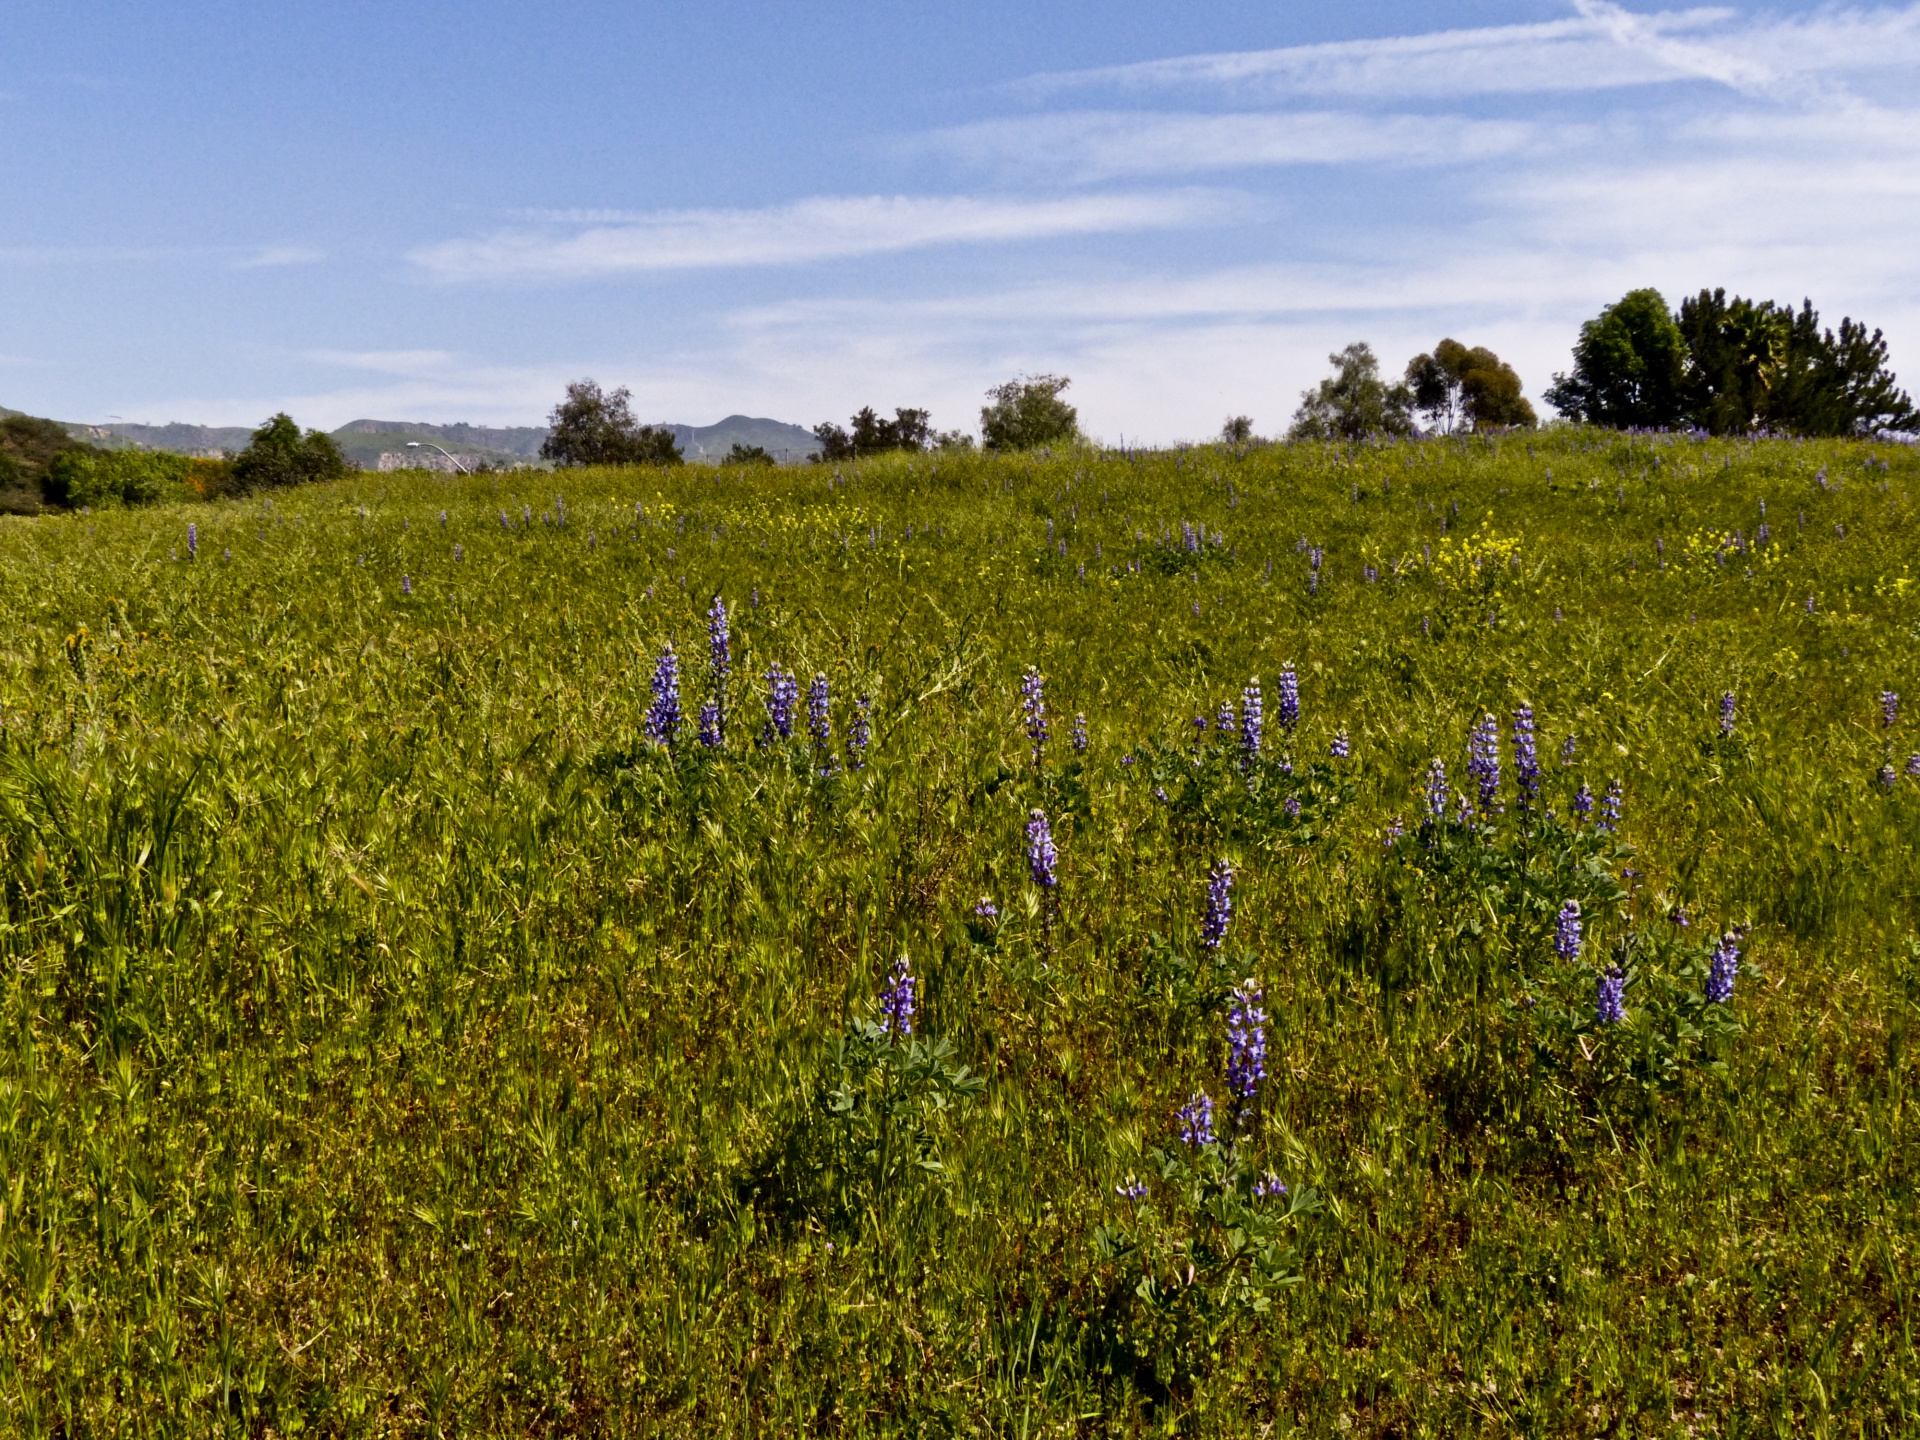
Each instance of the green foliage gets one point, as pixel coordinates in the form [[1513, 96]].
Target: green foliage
[[870, 435], [1629, 367], [594, 427], [1236, 430], [1455, 385], [278, 456], [28, 448], [747, 455], [116, 477], [399, 1042], [1027, 413], [1354, 402]]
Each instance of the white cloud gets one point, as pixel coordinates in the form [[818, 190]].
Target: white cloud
[[1604, 47], [816, 229], [273, 256], [1100, 145]]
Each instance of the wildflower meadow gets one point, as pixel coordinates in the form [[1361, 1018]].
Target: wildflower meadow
[[1415, 938]]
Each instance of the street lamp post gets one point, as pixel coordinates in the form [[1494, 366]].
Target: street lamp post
[[458, 467]]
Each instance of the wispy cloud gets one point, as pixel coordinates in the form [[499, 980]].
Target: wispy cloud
[[824, 228], [272, 256], [1603, 47], [1107, 144]]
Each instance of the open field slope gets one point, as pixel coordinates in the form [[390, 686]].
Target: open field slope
[[400, 1042]]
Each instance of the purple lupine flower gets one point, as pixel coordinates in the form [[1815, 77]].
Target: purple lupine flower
[[1131, 1189], [662, 724], [1437, 792], [1727, 705], [1199, 726], [1213, 927], [1269, 1184], [1913, 765], [1253, 717], [820, 719], [1246, 1041], [1160, 794], [1725, 968], [443, 519], [193, 540], [859, 732], [1583, 802], [1395, 829], [1078, 734], [505, 524], [1889, 708], [711, 735], [896, 1001], [1226, 722], [1042, 858], [1763, 533], [458, 554], [719, 646], [1612, 807], [1483, 762], [782, 691], [1610, 997], [1566, 931], [1809, 604], [1289, 698], [406, 585], [1886, 777], [1292, 806], [1526, 756], [1033, 704], [1196, 1119], [986, 909], [1567, 747], [1341, 747]]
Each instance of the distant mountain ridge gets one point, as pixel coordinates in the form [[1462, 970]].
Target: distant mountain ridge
[[382, 444]]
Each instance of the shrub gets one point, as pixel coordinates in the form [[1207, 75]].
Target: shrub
[[1353, 402], [592, 427], [1027, 412], [279, 455], [116, 477]]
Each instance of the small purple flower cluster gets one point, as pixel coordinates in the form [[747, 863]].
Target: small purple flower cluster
[[1253, 715], [1289, 698], [1566, 931], [1042, 858], [1341, 747], [1727, 708], [1213, 926], [1267, 1185], [1033, 704], [896, 1001], [1395, 829], [1583, 802], [1725, 968], [1889, 706], [1609, 998], [1079, 734], [193, 541], [1483, 762], [783, 691], [1437, 792], [820, 721], [711, 735], [1246, 1042], [1613, 805], [1526, 756], [662, 724], [1131, 1189], [1196, 1119], [860, 733]]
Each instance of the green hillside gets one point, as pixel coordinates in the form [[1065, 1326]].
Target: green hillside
[[1407, 939]]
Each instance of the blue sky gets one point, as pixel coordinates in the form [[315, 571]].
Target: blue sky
[[444, 212]]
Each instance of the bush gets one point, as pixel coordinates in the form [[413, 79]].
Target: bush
[[279, 455], [870, 435], [116, 477], [747, 455], [1027, 412], [1477, 386], [592, 427], [1353, 402]]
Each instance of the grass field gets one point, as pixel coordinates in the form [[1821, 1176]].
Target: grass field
[[400, 1042]]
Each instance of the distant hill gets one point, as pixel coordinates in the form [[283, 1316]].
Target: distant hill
[[383, 444]]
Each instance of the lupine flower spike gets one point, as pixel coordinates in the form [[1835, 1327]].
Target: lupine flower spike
[[1042, 858], [662, 725], [1724, 970], [1341, 747], [1246, 1042], [1196, 1119], [1289, 698], [896, 1001], [860, 733], [1609, 999], [1483, 762], [1253, 715], [820, 721], [1566, 931], [782, 692], [1033, 705], [1437, 792], [1727, 709], [1213, 928], [1526, 756], [1889, 701], [1079, 734], [1612, 807]]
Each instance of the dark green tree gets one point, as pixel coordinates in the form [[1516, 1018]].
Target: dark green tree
[[1735, 350], [747, 455], [1353, 402], [591, 427], [1455, 385], [1629, 367], [28, 448], [1237, 430], [1027, 412], [279, 455], [1835, 383], [868, 434]]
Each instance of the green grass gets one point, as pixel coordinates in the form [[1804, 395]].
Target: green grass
[[396, 1043]]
